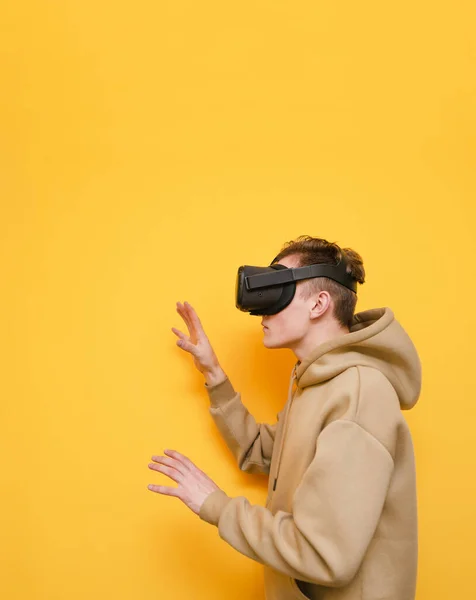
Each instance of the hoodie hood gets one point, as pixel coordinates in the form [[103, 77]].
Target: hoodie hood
[[377, 340]]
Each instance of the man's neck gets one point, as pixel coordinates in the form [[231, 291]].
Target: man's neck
[[317, 336]]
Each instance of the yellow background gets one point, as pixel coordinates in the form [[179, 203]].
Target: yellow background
[[147, 150]]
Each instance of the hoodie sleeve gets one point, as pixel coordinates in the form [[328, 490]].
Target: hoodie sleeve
[[250, 442], [336, 509]]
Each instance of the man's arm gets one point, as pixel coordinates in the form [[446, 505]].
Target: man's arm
[[250, 442], [335, 511]]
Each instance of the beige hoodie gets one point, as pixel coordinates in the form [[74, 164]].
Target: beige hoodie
[[340, 521]]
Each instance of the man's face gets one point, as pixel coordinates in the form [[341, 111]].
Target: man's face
[[287, 328]]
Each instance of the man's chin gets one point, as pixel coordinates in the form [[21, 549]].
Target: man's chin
[[270, 344]]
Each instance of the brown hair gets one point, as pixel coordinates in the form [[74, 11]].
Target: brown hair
[[310, 251]]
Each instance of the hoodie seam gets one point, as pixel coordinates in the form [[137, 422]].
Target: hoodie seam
[[357, 410], [368, 433]]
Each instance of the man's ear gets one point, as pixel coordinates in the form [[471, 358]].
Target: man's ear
[[321, 304]]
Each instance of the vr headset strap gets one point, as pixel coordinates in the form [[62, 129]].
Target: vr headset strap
[[288, 275]]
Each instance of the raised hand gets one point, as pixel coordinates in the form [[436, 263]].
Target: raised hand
[[198, 345]]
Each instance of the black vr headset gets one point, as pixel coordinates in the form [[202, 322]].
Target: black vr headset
[[268, 290]]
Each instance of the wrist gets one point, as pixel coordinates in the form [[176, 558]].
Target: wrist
[[214, 376]]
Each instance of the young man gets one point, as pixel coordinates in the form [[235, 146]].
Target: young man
[[340, 521]]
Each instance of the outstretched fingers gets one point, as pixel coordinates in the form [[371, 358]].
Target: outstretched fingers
[[168, 491], [168, 467], [194, 319], [182, 311], [168, 461], [182, 459]]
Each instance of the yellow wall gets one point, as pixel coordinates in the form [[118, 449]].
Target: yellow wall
[[147, 150]]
